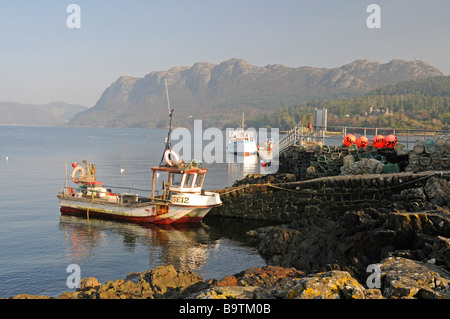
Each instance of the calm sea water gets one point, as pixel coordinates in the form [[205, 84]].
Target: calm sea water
[[37, 243]]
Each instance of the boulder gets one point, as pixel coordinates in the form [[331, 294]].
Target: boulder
[[259, 276], [277, 240], [437, 191], [441, 252], [327, 285], [166, 279], [89, 283], [222, 292], [227, 281], [407, 279], [266, 276], [413, 194], [107, 295]]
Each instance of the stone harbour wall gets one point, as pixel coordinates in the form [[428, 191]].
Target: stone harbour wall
[[326, 197]]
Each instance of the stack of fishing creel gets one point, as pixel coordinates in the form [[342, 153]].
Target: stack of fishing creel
[[367, 161], [430, 155], [385, 155], [294, 160], [326, 160]]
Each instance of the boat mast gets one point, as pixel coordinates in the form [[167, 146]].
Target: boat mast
[[168, 145]]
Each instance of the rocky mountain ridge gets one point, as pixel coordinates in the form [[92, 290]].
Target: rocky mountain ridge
[[212, 92]]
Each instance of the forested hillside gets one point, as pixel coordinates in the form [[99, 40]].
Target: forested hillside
[[422, 103], [434, 86]]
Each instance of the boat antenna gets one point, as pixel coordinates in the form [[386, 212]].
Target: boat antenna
[[167, 96], [168, 145]]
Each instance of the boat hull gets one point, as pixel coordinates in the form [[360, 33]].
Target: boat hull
[[135, 213], [194, 216], [242, 147]]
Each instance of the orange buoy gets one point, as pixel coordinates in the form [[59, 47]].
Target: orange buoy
[[349, 139], [391, 140], [379, 141], [74, 165], [362, 142]]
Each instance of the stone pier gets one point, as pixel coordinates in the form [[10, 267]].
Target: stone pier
[[326, 197]]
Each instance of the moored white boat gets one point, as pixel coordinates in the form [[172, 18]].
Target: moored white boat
[[183, 199], [241, 141]]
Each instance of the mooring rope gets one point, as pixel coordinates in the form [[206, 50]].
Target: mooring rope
[[305, 191], [87, 211]]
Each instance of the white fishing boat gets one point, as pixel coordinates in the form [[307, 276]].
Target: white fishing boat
[[241, 141], [183, 200]]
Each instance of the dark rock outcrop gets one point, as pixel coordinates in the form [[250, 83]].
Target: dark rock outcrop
[[410, 226]]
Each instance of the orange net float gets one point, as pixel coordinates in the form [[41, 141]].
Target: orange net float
[[349, 139], [391, 140], [362, 142], [379, 141]]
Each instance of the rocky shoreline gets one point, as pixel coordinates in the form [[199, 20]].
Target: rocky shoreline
[[399, 278], [414, 224], [398, 248]]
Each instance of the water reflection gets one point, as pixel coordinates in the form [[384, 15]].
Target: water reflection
[[216, 247], [186, 247], [239, 165]]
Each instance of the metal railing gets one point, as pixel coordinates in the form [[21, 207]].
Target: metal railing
[[404, 136], [300, 134]]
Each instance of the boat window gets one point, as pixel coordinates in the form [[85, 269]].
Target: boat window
[[199, 180], [176, 179], [188, 180]]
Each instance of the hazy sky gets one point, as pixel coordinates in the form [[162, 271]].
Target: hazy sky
[[42, 60]]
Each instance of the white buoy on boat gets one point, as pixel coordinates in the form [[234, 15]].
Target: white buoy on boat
[[122, 170]]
